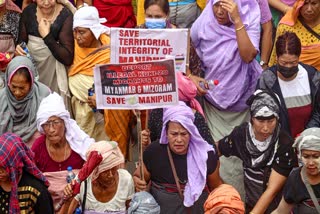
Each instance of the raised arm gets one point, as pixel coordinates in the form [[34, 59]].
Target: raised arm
[[246, 49], [62, 50], [277, 4]]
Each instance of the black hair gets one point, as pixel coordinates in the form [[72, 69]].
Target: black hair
[[25, 72], [163, 4]]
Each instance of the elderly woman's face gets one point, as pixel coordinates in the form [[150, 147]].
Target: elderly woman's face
[[46, 6], [263, 128], [220, 14], [311, 160], [310, 11], [54, 129], [4, 176], [84, 37], [178, 138], [19, 86], [108, 177]]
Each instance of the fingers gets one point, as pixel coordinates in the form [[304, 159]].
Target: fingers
[[145, 137], [19, 51], [68, 192], [139, 184]]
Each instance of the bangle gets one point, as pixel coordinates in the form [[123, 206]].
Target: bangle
[[285, 9], [251, 212], [240, 28], [189, 75]]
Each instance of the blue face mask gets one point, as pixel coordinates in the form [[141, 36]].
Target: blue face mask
[[156, 23]]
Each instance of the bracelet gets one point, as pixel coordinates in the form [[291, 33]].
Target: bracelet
[[251, 212], [189, 75], [240, 28]]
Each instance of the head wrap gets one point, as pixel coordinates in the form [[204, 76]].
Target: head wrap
[[263, 104], [53, 105], [188, 92], [197, 154], [19, 116], [237, 79], [309, 139], [88, 17], [16, 157], [111, 155], [143, 202], [224, 199], [10, 5], [291, 16]]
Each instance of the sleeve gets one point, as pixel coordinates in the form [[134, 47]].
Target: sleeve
[[315, 118], [155, 124], [23, 35], [265, 11], [285, 158], [212, 162], [227, 145], [44, 202], [290, 188], [63, 49], [203, 128], [130, 187]]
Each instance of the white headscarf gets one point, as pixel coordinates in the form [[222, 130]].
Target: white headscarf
[[53, 105], [88, 17], [309, 139]]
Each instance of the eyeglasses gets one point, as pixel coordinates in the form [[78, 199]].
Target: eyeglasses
[[55, 123]]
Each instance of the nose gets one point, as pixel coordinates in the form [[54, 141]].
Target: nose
[[179, 138], [265, 128], [17, 93], [220, 9]]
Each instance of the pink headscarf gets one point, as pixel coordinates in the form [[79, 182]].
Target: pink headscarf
[[188, 92], [111, 155]]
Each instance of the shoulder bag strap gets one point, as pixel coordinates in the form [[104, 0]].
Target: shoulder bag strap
[[310, 190], [309, 29], [173, 168], [83, 205]]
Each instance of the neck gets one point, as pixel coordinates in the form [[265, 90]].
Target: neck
[[312, 23], [49, 15]]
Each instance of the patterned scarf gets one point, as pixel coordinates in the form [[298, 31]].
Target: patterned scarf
[[16, 157]]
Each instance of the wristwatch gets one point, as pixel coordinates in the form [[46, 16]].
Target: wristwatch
[[262, 63]]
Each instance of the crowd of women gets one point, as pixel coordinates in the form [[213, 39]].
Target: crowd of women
[[251, 144]]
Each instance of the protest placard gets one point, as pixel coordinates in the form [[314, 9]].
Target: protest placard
[[142, 45], [145, 85]]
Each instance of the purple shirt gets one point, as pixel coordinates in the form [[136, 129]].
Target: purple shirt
[[265, 11]]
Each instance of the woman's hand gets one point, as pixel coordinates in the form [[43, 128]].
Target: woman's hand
[[145, 138], [196, 80], [44, 27], [19, 51], [92, 101], [139, 184], [68, 191], [232, 8]]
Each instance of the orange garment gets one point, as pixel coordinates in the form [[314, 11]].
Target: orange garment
[[224, 199], [84, 61], [310, 45], [118, 126]]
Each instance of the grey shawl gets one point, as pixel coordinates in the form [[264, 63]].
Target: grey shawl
[[19, 117]]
